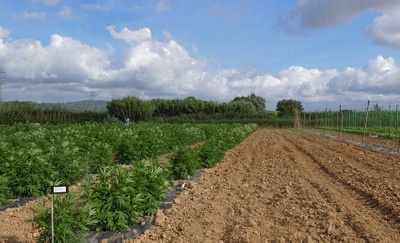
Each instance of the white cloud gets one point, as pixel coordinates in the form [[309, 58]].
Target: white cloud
[[162, 6], [4, 33], [130, 36], [148, 66], [65, 13], [33, 15], [67, 69], [379, 76], [233, 10], [154, 65], [47, 2], [306, 83], [195, 49], [311, 14], [98, 7], [64, 60], [385, 29]]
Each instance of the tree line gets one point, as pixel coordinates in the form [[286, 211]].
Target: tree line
[[243, 109], [143, 110]]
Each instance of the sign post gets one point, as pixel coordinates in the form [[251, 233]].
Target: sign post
[[55, 190]]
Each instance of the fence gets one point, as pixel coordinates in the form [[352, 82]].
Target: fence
[[377, 121]]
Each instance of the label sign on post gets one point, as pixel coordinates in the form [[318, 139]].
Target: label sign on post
[[55, 190], [59, 189]]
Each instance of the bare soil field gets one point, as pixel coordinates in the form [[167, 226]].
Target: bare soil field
[[387, 143], [286, 186], [276, 186]]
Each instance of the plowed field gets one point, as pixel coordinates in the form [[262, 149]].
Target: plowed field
[[278, 186]]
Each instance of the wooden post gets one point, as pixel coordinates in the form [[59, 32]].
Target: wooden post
[[390, 119], [330, 119], [397, 126], [337, 122], [348, 117], [1, 91], [380, 121], [372, 119], [398, 148], [341, 120], [366, 120], [397, 120]]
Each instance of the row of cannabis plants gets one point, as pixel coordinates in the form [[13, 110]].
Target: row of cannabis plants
[[32, 156], [119, 197]]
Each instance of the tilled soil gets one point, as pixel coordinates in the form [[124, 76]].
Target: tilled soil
[[385, 143], [14, 225], [276, 186], [280, 186]]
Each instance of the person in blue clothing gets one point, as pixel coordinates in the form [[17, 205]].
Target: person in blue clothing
[[127, 121]]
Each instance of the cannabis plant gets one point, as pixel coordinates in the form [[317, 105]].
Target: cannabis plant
[[210, 154], [185, 162], [72, 218], [152, 180], [5, 191]]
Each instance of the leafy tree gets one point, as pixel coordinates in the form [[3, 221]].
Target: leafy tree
[[288, 107], [177, 107], [237, 107], [132, 107], [257, 101]]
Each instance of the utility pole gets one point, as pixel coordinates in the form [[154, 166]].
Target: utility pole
[[92, 95], [1, 90]]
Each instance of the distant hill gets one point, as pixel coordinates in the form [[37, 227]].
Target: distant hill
[[85, 105]]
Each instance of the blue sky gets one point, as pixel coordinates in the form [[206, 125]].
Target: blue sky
[[322, 53]]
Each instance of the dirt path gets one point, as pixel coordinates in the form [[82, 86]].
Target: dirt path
[[277, 185], [280, 185]]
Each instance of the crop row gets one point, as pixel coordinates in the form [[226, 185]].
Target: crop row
[[117, 196], [33, 156]]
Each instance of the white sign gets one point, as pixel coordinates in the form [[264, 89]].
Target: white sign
[[59, 189]]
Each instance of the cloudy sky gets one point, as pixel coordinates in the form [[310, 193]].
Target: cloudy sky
[[324, 53]]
